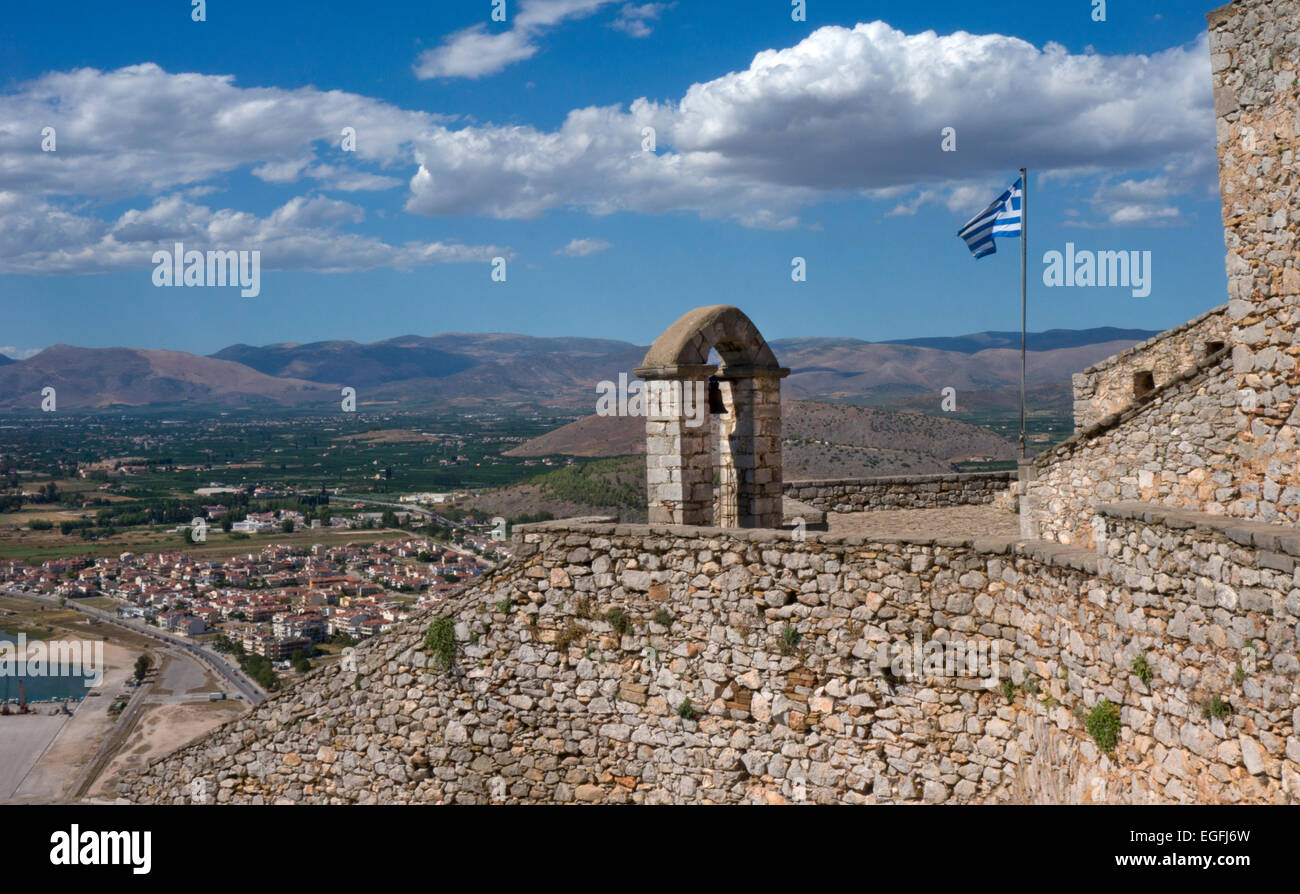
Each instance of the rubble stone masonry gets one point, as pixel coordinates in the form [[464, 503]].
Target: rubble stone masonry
[[672, 664], [1254, 57], [902, 491], [1110, 386], [1172, 447], [1157, 571]]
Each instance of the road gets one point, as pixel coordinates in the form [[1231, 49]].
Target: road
[[233, 675], [111, 743], [409, 507], [405, 507]]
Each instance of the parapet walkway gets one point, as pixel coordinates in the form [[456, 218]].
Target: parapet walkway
[[946, 522]]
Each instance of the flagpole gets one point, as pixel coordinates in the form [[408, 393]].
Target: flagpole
[[1024, 282]]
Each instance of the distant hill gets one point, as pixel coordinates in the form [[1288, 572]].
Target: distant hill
[[877, 438], [935, 437], [591, 436], [348, 362], [409, 357], [499, 346], [6, 360], [821, 441], [862, 372], [105, 377], [455, 368], [1049, 340], [560, 380], [606, 487], [501, 369]]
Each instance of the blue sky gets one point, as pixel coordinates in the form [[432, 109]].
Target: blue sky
[[522, 139]]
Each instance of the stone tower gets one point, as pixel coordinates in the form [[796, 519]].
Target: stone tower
[[1255, 57], [689, 401]]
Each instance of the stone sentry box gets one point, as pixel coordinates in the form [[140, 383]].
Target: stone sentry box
[[679, 456]]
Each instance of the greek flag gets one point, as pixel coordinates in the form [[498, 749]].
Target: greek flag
[[1002, 218]]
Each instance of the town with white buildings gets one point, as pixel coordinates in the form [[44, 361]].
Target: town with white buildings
[[275, 601]]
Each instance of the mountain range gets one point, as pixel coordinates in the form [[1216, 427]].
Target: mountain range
[[466, 369], [1048, 340]]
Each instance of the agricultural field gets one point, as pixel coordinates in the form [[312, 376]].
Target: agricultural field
[[101, 483]]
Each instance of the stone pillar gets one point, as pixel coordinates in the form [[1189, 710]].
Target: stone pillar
[[679, 454], [750, 449], [726, 499]]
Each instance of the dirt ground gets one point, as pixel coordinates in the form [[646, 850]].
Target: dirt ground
[[185, 679], [162, 729]]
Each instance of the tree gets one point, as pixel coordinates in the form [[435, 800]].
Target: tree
[[261, 670], [142, 665], [227, 523], [287, 526]]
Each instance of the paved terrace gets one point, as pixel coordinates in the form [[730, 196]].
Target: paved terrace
[[946, 521]]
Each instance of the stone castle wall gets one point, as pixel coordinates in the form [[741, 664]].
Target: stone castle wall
[[573, 664], [1172, 447], [902, 491], [1215, 603], [1254, 58], [657, 664], [1220, 440], [1109, 387]]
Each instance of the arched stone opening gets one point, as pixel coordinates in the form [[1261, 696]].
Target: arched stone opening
[[680, 426]]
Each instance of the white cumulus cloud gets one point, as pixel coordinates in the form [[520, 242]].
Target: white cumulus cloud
[[845, 112], [634, 18], [303, 234], [581, 248], [477, 51]]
